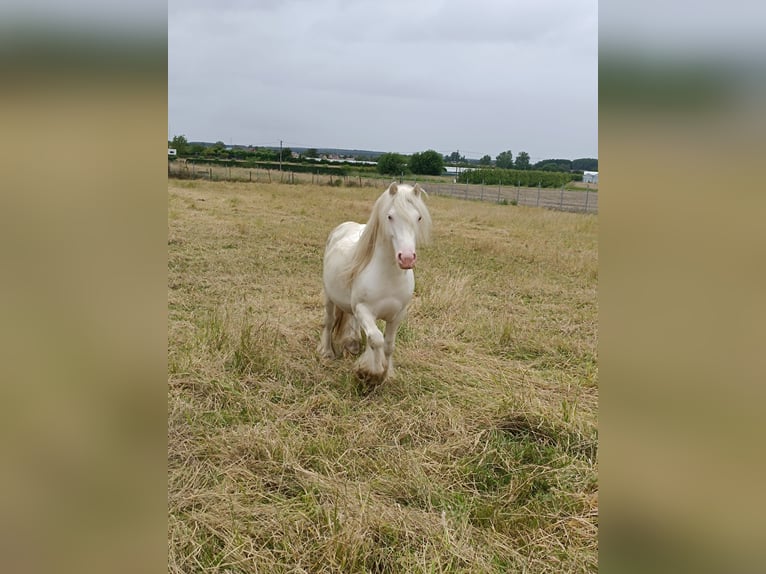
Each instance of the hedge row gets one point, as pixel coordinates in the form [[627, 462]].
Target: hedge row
[[294, 167], [524, 178]]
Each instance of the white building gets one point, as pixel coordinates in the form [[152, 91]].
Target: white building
[[456, 169], [590, 177]]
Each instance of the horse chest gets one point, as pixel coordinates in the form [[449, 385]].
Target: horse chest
[[386, 297], [388, 308]]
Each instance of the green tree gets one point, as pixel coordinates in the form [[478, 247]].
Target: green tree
[[454, 157], [522, 160], [311, 152], [391, 164], [553, 165], [428, 162], [217, 149], [585, 164], [180, 144], [211, 150], [486, 160], [195, 149], [504, 160], [266, 154]]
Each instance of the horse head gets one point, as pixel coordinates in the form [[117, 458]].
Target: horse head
[[405, 220]]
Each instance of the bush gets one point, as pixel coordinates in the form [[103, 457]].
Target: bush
[[339, 170], [391, 164], [428, 162], [524, 178]]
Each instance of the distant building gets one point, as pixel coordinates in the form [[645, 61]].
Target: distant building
[[456, 170], [341, 160], [590, 177]]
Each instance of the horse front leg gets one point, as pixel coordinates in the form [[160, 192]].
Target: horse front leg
[[371, 364], [389, 341]]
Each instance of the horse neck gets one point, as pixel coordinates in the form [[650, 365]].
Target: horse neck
[[375, 251]]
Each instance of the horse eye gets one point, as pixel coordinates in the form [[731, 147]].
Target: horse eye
[[390, 217], [420, 217]]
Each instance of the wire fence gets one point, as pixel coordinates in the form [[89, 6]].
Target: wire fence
[[584, 199], [562, 199]]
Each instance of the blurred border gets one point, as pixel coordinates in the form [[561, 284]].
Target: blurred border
[[682, 279], [83, 105]]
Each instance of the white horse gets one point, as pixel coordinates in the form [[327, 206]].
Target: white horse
[[368, 276]]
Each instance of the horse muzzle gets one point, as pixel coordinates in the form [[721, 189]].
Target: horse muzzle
[[406, 260]]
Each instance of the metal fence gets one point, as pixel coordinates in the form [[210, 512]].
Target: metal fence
[[580, 200], [560, 199]]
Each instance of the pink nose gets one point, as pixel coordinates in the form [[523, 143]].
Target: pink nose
[[406, 260]]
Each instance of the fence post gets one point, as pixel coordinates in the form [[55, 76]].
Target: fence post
[[561, 201], [587, 191], [498, 191], [518, 187], [210, 173], [465, 191], [538, 193], [482, 190]]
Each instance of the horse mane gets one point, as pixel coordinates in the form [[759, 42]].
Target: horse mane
[[400, 196]]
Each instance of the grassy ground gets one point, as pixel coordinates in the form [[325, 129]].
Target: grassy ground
[[479, 456]]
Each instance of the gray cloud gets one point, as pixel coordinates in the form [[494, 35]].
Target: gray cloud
[[481, 77]]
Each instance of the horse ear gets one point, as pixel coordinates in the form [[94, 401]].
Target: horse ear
[[417, 189], [393, 188]]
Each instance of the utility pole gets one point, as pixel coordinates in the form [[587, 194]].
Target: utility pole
[[280, 156]]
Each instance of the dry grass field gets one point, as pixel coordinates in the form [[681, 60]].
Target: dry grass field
[[479, 456]]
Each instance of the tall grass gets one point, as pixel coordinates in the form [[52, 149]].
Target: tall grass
[[479, 456]]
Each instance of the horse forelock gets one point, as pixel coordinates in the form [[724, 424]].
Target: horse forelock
[[409, 196]]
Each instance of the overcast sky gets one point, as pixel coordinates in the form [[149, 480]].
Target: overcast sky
[[480, 77]]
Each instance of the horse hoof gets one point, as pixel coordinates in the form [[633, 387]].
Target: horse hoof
[[373, 379]]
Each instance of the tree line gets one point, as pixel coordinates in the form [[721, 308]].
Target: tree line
[[431, 162], [505, 160], [428, 162], [219, 151]]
